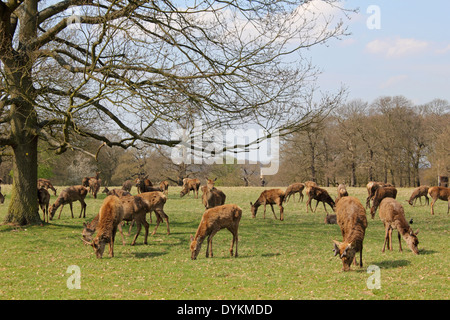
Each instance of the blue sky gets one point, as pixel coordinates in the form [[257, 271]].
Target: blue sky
[[408, 55]]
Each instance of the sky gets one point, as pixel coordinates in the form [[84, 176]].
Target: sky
[[396, 47]]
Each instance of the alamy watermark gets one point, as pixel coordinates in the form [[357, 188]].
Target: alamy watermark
[[373, 22], [74, 280], [374, 280], [213, 146]]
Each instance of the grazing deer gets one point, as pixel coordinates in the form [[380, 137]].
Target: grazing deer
[[45, 183], [214, 220], [372, 187], [418, 193], [320, 195], [292, 190], [109, 218], [272, 196], [93, 183], [67, 196], [393, 217], [351, 218], [188, 185]]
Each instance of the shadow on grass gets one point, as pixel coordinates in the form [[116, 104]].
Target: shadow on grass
[[143, 255], [390, 264]]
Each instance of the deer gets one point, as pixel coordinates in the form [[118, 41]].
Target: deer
[[143, 184], [213, 220], [43, 199], [164, 187], [441, 193], [93, 183], [292, 190], [372, 187], [320, 195], [45, 183], [116, 192], [155, 201], [351, 218], [188, 185], [127, 185], [341, 191], [67, 196], [110, 216], [271, 196], [380, 194], [134, 209], [2, 197], [418, 193], [212, 197], [393, 217]]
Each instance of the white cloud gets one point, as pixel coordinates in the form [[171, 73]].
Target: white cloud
[[397, 48]]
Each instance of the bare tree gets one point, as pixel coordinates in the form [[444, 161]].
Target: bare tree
[[66, 63]]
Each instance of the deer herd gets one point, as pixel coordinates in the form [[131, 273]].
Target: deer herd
[[119, 205]]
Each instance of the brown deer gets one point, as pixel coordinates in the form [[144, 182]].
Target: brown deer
[[93, 183], [116, 192], [393, 217], [45, 183], [418, 193], [351, 218], [441, 193], [109, 218], [272, 196], [134, 209], [320, 195], [212, 197], [127, 185], [164, 186], [67, 196], [155, 201], [43, 200], [380, 194], [372, 187], [292, 190], [214, 220], [188, 185]]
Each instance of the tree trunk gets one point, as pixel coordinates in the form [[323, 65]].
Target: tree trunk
[[23, 208]]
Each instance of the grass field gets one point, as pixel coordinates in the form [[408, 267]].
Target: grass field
[[290, 259]]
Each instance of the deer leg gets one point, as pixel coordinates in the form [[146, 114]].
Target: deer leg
[[360, 257], [432, 204], [386, 236], [427, 200], [399, 242], [121, 232], [235, 239], [131, 226], [390, 239], [138, 230], [325, 207], [281, 212], [264, 210], [158, 221], [83, 209], [317, 203], [271, 205], [146, 226], [59, 216]]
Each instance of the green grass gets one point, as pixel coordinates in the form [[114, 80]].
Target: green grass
[[290, 259]]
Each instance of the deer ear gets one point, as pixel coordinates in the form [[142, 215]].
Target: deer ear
[[251, 203], [417, 232], [336, 247]]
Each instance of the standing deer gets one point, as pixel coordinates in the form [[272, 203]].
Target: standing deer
[[320, 195], [214, 220], [272, 196], [441, 193], [292, 190], [393, 217], [67, 196], [43, 200]]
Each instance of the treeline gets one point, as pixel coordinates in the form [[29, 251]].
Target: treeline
[[389, 140]]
